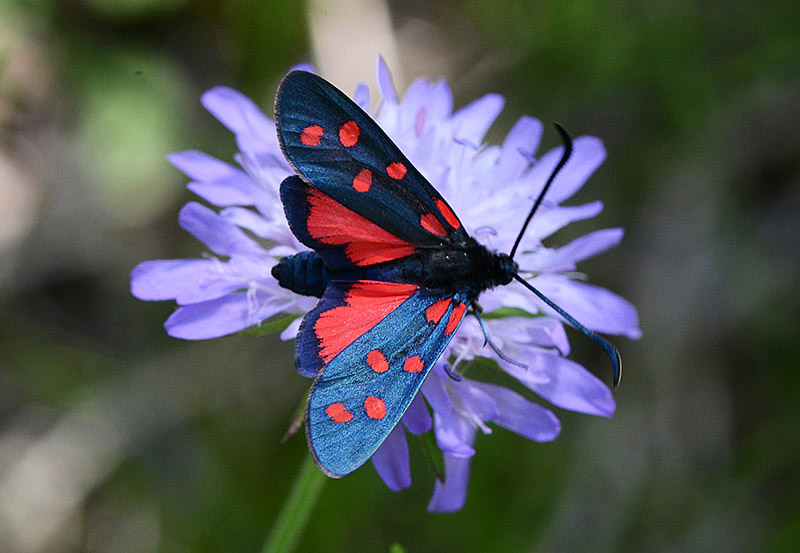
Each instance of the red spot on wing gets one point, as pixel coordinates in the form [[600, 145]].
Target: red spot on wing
[[375, 407], [435, 312], [396, 170], [430, 223], [414, 364], [448, 214], [338, 413], [348, 134], [365, 242], [367, 303], [363, 180], [455, 317], [377, 361], [311, 135]]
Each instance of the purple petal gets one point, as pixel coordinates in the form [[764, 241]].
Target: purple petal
[[385, 82], [549, 332], [439, 104], [216, 182], [417, 418], [519, 145], [222, 316], [594, 307], [164, 279], [556, 218], [255, 132], [474, 400], [528, 335], [361, 96], [236, 111], [569, 385], [391, 460], [435, 392], [520, 415], [454, 433], [304, 66], [224, 193], [290, 332], [222, 237], [270, 166], [451, 496], [249, 220], [565, 258], [201, 166], [184, 280], [425, 103], [588, 154], [472, 121]]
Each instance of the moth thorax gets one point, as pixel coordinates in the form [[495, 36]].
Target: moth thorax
[[502, 269]]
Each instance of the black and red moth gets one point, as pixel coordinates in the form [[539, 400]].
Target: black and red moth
[[394, 268]]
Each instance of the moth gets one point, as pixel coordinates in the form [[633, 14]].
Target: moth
[[394, 268]]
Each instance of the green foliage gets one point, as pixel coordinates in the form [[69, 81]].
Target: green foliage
[[504, 312]]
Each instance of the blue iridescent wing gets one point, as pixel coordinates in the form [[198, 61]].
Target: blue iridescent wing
[[337, 148], [377, 340]]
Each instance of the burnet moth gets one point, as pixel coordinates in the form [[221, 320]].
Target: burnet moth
[[394, 268]]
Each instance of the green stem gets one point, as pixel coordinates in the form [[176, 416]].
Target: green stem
[[296, 509]]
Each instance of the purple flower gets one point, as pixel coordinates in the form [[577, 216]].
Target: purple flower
[[491, 188]]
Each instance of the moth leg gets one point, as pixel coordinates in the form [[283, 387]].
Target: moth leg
[[477, 310]]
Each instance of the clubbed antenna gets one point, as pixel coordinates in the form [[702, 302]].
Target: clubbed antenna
[[609, 348], [567, 152]]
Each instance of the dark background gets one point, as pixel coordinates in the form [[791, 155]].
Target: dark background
[[116, 438]]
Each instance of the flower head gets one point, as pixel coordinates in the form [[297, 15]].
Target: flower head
[[491, 188]]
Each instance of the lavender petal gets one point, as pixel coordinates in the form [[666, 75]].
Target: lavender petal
[[520, 415], [567, 385], [184, 280], [470, 123], [391, 460], [222, 316], [451, 496], [520, 143], [385, 82], [595, 308], [417, 418], [255, 132], [222, 237]]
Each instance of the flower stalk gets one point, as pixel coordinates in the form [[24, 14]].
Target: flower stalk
[[296, 510]]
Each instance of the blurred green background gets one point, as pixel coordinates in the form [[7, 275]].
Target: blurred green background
[[117, 438]]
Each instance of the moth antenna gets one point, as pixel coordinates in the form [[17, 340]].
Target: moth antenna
[[494, 347], [564, 157], [610, 349]]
